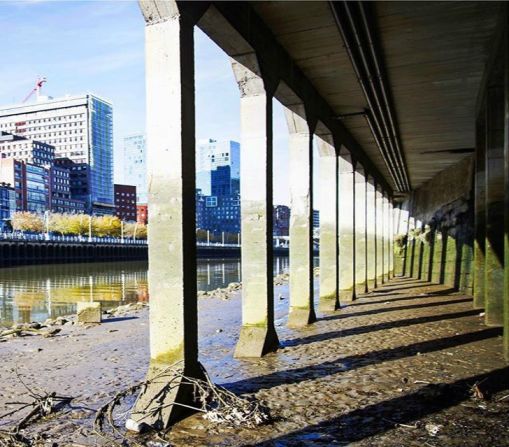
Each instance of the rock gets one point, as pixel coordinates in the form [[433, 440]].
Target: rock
[[89, 312], [34, 325], [51, 332], [138, 427], [61, 321], [433, 429], [219, 331]]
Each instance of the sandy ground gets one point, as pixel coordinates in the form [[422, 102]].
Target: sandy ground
[[395, 368]]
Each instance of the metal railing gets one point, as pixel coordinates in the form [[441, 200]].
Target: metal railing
[[21, 236]]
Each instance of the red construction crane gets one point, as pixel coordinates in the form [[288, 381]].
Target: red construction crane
[[36, 89]]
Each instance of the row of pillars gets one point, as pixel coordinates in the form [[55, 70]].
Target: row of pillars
[[355, 234]]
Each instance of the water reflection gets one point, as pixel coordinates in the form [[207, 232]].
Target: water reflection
[[35, 293]]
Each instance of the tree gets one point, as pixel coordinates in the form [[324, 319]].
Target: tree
[[106, 226], [26, 221]]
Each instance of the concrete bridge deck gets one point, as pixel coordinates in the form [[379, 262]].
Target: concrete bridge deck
[[376, 372]]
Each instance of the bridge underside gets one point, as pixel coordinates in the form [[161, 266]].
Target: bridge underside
[[408, 104]]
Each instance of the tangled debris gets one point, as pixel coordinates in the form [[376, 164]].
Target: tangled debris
[[42, 405], [27, 329], [215, 402]]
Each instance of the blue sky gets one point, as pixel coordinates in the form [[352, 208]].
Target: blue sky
[[98, 47]]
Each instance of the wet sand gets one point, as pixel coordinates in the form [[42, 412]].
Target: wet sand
[[395, 368]]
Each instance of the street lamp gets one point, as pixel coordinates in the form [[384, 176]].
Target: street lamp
[[46, 222], [89, 228]]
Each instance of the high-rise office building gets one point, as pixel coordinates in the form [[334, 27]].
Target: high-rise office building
[[23, 149], [80, 128], [212, 154], [135, 165]]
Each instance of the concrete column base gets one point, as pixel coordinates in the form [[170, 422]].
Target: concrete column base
[[380, 281], [154, 408], [300, 317], [371, 284], [328, 304], [360, 288], [347, 296], [256, 341]]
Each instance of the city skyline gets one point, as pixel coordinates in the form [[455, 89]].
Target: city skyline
[[110, 63]]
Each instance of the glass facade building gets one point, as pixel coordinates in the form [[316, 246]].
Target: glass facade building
[[135, 165]]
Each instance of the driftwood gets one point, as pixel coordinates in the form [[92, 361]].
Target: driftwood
[[42, 404], [215, 402]]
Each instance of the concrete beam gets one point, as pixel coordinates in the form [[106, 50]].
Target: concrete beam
[[346, 228], [172, 236], [276, 64], [328, 196], [360, 230], [300, 143], [257, 335]]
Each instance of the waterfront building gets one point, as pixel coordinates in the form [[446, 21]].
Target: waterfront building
[[135, 165], [60, 188], [218, 213], [212, 154], [30, 183], [27, 150], [316, 219], [281, 220], [80, 128], [142, 213], [7, 204], [125, 202]]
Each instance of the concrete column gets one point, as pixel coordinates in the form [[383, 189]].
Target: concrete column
[[386, 239], [302, 310], [480, 210], [328, 196], [257, 335], [391, 239], [411, 254], [494, 262], [379, 236], [360, 230], [401, 246], [346, 215], [506, 186], [172, 236], [371, 233], [426, 253], [436, 268]]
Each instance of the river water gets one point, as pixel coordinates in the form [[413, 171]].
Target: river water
[[35, 293]]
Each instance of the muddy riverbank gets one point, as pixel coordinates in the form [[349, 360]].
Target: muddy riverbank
[[397, 367]]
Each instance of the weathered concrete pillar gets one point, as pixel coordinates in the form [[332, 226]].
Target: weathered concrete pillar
[[379, 236], [346, 215], [360, 230], [391, 239], [480, 210], [412, 249], [506, 185], [371, 233], [172, 237], [328, 196], [426, 253], [401, 248], [257, 335], [302, 310], [494, 262], [450, 260], [386, 238], [419, 249], [436, 266]]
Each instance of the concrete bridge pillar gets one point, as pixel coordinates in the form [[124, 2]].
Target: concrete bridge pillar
[[346, 228], [302, 310], [506, 185], [386, 239], [480, 211], [172, 238], [390, 239], [494, 253], [257, 335], [379, 235], [370, 233], [360, 230], [328, 196]]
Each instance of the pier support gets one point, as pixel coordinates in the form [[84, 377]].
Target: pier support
[[257, 335], [480, 210], [360, 230], [379, 236], [172, 237], [494, 252], [370, 233], [386, 239], [302, 310], [328, 184], [346, 228]]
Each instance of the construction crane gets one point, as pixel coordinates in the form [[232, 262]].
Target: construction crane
[[36, 89]]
